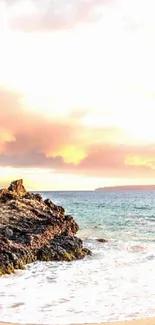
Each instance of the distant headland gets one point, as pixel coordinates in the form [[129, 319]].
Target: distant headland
[[126, 188]]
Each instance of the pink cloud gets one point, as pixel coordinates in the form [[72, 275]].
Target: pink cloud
[[52, 15], [33, 136], [114, 160]]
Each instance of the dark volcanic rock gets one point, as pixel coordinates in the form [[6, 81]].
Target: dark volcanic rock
[[101, 240], [33, 229]]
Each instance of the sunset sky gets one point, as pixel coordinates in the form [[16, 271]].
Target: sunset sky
[[77, 93]]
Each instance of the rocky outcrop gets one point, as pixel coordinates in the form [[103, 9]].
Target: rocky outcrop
[[101, 240], [34, 229]]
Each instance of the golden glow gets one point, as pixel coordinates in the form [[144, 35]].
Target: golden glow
[[140, 161], [44, 179], [70, 154], [5, 136]]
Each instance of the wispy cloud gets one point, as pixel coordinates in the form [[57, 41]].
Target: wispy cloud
[[34, 15]]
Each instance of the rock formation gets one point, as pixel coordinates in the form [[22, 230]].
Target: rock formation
[[101, 240], [34, 229]]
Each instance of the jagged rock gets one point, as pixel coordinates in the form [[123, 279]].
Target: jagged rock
[[33, 229], [17, 187], [6, 195]]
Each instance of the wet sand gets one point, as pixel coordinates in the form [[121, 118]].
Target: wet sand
[[145, 321]]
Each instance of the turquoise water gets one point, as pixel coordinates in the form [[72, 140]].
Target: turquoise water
[[115, 283], [114, 215]]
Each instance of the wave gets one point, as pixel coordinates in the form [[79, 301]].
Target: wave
[[141, 207]]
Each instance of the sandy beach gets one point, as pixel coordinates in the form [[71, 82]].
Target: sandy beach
[[145, 321]]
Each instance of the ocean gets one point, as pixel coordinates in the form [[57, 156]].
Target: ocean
[[115, 283]]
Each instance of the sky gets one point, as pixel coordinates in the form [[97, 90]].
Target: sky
[[77, 93]]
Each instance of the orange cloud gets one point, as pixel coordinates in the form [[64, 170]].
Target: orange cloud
[[33, 140], [112, 160], [30, 140]]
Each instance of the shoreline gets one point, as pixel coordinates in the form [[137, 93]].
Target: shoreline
[[143, 321]]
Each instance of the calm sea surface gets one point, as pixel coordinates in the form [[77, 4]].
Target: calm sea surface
[[116, 283]]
